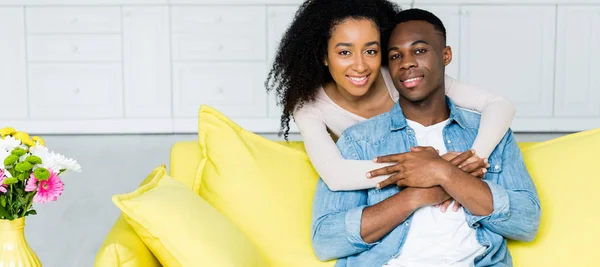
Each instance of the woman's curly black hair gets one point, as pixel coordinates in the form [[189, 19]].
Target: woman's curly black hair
[[298, 69]]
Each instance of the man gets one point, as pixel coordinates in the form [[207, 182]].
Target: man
[[398, 225]]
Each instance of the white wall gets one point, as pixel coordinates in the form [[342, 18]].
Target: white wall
[[145, 66]]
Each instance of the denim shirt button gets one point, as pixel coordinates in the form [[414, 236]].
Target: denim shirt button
[[409, 131], [449, 141], [406, 223], [497, 167]]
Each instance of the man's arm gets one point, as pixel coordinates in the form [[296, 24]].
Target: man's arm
[[517, 209], [471, 192], [343, 225]]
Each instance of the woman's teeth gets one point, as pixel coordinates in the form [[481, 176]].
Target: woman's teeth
[[358, 80]]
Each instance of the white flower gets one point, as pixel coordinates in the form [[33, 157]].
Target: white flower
[[54, 161], [64, 163], [3, 155], [9, 143]]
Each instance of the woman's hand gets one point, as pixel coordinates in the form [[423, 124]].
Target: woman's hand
[[474, 165]]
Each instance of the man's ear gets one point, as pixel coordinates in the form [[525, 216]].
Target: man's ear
[[447, 54]]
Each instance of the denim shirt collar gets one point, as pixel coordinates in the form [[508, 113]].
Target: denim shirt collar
[[398, 120]]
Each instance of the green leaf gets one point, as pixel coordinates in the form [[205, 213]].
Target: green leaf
[[2, 202], [31, 212]]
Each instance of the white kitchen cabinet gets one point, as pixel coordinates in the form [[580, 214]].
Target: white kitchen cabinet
[[58, 20], [578, 62], [510, 50], [147, 65], [13, 80], [74, 47], [218, 33], [450, 17], [236, 89], [75, 91]]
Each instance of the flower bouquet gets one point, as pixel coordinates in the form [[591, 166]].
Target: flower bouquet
[[29, 173]]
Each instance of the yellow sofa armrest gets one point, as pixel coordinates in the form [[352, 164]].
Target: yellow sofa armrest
[[123, 248]]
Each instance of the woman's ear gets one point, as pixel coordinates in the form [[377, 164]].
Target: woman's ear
[[326, 62]]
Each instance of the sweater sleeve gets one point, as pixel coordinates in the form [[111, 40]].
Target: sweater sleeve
[[497, 113], [338, 173]]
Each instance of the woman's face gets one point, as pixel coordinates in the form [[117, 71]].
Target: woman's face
[[354, 55]]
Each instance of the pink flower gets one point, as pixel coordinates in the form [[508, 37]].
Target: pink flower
[[2, 188], [47, 190]]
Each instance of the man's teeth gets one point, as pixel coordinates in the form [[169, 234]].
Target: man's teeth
[[412, 79], [358, 79]]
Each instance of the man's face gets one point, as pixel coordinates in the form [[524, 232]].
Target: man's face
[[417, 58]]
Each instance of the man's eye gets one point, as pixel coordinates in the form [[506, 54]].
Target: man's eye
[[394, 57], [420, 51]]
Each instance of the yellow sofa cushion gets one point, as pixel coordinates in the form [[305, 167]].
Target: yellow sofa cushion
[[565, 173], [262, 186], [182, 229]]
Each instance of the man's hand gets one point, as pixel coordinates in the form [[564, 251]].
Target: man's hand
[[474, 165], [422, 197], [421, 167]]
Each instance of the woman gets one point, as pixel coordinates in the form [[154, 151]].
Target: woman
[[328, 74]]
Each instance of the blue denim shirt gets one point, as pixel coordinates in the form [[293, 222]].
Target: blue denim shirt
[[337, 215]]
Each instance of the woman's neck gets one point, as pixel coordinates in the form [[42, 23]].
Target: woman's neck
[[377, 100]]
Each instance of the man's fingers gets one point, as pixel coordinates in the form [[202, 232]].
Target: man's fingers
[[456, 206], [389, 158], [390, 180], [445, 205], [462, 157], [384, 171]]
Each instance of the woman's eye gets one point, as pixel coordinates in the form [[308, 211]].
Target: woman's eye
[[371, 52], [344, 53]]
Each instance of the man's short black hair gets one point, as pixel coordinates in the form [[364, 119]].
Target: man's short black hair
[[423, 15]]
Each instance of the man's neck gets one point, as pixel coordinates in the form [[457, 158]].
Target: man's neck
[[428, 112]]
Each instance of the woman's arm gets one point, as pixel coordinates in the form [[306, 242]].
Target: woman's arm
[[497, 113], [338, 173]]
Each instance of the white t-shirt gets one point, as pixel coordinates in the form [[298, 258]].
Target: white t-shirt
[[437, 239]]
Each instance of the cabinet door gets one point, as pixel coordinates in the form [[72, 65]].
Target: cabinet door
[[233, 88], [450, 16], [578, 62], [510, 50], [278, 20], [13, 85], [75, 91], [147, 71]]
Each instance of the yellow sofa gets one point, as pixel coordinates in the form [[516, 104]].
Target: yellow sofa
[[122, 247]]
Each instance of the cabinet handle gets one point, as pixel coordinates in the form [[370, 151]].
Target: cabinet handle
[[76, 91], [219, 19], [220, 90], [221, 47], [74, 20], [75, 49]]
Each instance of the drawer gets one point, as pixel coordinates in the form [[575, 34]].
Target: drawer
[[232, 33], [73, 20], [74, 48], [245, 20], [199, 47], [236, 89], [75, 91]]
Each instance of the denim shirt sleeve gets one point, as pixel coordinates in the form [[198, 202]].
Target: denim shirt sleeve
[[517, 210], [337, 216]]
